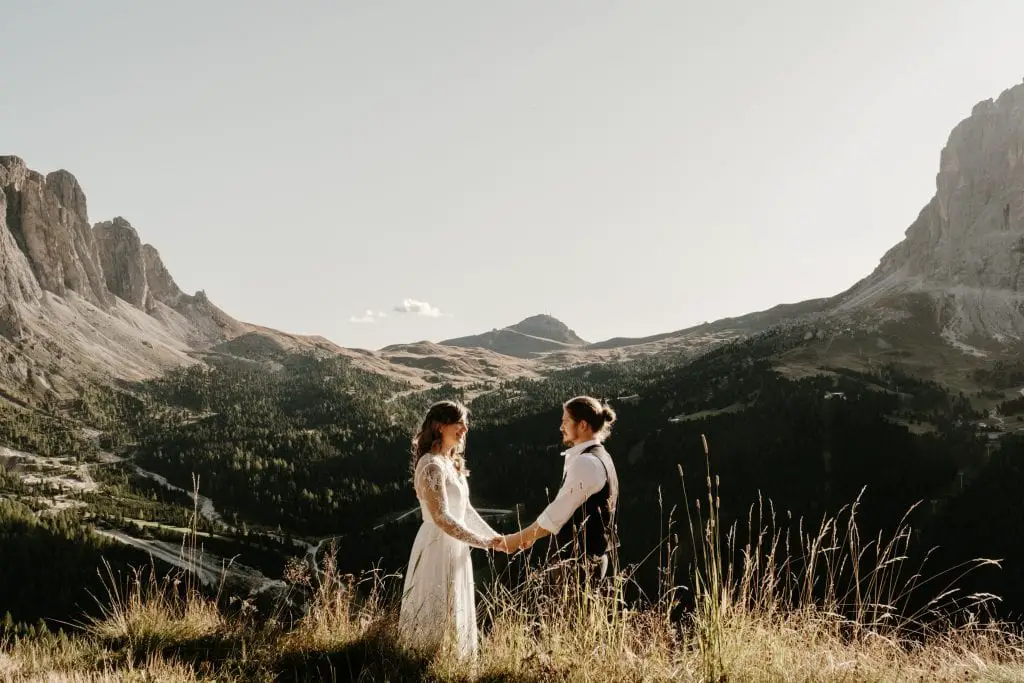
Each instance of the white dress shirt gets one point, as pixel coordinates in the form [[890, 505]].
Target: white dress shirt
[[584, 476]]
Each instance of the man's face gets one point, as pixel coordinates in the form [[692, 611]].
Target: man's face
[[570, 429]]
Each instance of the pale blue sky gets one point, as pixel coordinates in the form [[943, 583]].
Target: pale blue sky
[[629, 167]]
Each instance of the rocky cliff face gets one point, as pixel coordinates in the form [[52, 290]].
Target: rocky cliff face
[[47, 245], [161, 285], [124, 268], [952, 291], [82, 303], [77, 300], [18, 285], [134, 271], [966, 247], [47, 218], [972, 231]]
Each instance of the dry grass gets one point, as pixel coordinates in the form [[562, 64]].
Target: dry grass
[[61, 659], [342, 609], [557, 626], [788, 604], [151, 614], [809, 647]]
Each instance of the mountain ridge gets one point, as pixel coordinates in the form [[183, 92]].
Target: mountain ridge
[[80, 299]]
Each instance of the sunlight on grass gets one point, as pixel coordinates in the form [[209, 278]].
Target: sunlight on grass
[[150, 614], [63, 659], [341, 610]]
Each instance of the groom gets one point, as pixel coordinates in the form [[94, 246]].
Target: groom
[[582, 515]]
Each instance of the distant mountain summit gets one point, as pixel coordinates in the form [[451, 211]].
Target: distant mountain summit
[[527, 338], [548, 327]]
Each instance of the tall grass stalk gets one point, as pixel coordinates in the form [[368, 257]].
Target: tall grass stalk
[[709, 587]]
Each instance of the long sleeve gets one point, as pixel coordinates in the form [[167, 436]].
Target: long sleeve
[[584, 477], [477, 524], [430, 487]]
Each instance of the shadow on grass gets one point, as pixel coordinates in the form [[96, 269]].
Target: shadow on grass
[[374, 657], [219, 653]]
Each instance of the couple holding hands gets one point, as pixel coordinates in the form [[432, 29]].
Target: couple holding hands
[[438, 599]]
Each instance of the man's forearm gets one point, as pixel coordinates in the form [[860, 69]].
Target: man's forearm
[[530, 535], [579, 484]]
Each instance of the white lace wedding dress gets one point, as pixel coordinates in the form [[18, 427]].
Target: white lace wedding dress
[[439, 600]]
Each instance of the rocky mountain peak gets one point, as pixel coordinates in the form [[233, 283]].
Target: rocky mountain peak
[[85, 291], [9, 165], [48, 220], [124, 267], [161, 284], [134, 271], [965, 249], [69, 194], [972, 231], [527, 338], [547, 327], [17, 284]]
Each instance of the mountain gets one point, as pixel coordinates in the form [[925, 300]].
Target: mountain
[[547, 327], [80, 301], [963, 254], [949, 296], [946, 299], [527, 338]]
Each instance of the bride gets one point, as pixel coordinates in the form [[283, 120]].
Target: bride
[[438, 600]]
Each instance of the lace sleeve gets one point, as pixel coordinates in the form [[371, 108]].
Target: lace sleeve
[[431, 490], [477, 524]]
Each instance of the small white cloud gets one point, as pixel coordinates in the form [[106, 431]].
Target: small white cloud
[[418, 308], [367, 317]]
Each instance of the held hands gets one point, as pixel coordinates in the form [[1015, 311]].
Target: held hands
[[500, 543], [521, 540], [510, 543]]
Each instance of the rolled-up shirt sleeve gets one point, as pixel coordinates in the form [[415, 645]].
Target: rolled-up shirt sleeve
[[583, 478]]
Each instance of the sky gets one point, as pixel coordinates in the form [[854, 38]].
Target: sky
[[384, 172]]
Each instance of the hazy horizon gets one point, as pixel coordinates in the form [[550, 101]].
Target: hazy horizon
[[630, 169]]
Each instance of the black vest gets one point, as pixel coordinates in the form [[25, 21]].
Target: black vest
[[591, 530]]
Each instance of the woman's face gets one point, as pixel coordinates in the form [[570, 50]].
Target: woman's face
[[453, 435]]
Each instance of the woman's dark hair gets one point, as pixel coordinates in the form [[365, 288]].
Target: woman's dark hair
[[428, 437], [598, 414]]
